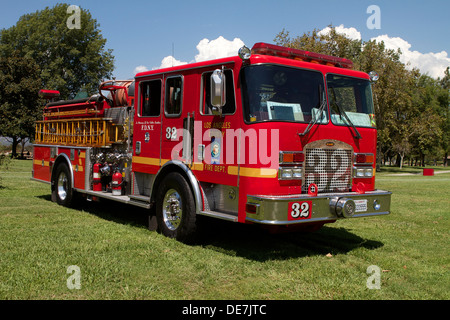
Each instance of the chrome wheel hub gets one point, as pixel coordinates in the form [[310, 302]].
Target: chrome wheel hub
[[172, 209], [62, 186]]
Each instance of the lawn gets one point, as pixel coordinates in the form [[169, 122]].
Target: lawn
[[118, 258]]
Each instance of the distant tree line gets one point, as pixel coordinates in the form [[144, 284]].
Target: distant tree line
[[412, 109], [42, 51]]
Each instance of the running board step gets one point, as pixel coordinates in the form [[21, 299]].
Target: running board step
[[139, 201], [145, 199], [220, 215]]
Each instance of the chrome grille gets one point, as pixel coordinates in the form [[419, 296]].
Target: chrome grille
[[329, 169]]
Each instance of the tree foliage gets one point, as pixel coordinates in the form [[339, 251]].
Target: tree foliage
[[42, 52], [19, 102], [69, 58], [412, 109]]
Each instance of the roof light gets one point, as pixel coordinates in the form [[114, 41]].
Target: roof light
[[301, 55]]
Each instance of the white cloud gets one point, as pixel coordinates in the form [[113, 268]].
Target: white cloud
[[140, 69], [350, 33], [218, 48], [170, 61], [167, 62], [207, 50], [434, 64], [431, 63]]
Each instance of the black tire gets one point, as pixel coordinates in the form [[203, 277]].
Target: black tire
[[62, 186], [175, 209]]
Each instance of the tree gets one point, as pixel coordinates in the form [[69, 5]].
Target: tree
[[412, 110], [19, 102], [4, 162], [444, 102], [69, 58], [390, 98], [330, 43]]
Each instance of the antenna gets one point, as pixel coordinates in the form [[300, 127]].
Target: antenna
[[173, 53]]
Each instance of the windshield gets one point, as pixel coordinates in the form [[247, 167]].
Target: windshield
[[277, 93], [352, 96]]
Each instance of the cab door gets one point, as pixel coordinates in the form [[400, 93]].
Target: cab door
[[219, 157], [176, 105], [147, 126]]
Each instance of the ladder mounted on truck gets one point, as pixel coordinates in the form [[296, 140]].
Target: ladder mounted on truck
[[97, 121]]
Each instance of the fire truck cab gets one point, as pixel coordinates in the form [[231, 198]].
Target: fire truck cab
[[273, 136]]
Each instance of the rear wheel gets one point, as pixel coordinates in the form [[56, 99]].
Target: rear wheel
[[62, 186], [175, 209]]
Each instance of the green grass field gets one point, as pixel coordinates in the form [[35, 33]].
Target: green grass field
[[118, 258]]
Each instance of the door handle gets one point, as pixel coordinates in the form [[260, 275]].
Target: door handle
[[138, 147]]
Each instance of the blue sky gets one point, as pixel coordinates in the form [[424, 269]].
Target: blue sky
[[142, 33]]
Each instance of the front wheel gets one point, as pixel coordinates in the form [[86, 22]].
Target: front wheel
[[175, 209]]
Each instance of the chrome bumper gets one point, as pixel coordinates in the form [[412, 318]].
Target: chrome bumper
[[327, 207]]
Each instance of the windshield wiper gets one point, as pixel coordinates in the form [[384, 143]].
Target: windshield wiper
[[320, 112], [343, 113]]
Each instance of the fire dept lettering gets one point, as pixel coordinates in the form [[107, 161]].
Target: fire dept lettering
[[217, 125], [147, 127], [215, 168]]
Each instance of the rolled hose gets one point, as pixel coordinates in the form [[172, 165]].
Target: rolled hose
[[94, 98]]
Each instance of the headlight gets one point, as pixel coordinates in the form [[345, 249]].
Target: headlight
[[360, 172], [290, 173], [363, 172], [297, 173], [368, 173], [285, 173]]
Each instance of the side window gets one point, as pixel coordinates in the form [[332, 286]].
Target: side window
[[230, 105], [174, 96], [150, 98]]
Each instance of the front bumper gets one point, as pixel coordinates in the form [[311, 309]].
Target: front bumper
[[327, 207]]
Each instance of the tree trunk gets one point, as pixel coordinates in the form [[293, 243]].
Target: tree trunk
[[14, 147], [23, 142], [401, 159], [398, 161]]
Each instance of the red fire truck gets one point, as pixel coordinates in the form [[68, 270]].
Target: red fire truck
[[273, 136]]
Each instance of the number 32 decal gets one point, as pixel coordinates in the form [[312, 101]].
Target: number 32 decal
[[299, 210], [171, 133]]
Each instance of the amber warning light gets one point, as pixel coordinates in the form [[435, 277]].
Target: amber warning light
[[301, 55]]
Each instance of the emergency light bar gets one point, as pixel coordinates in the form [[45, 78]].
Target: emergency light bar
[[296, 54]]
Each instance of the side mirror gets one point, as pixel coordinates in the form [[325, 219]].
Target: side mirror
[[218, 91], [373, 76]]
